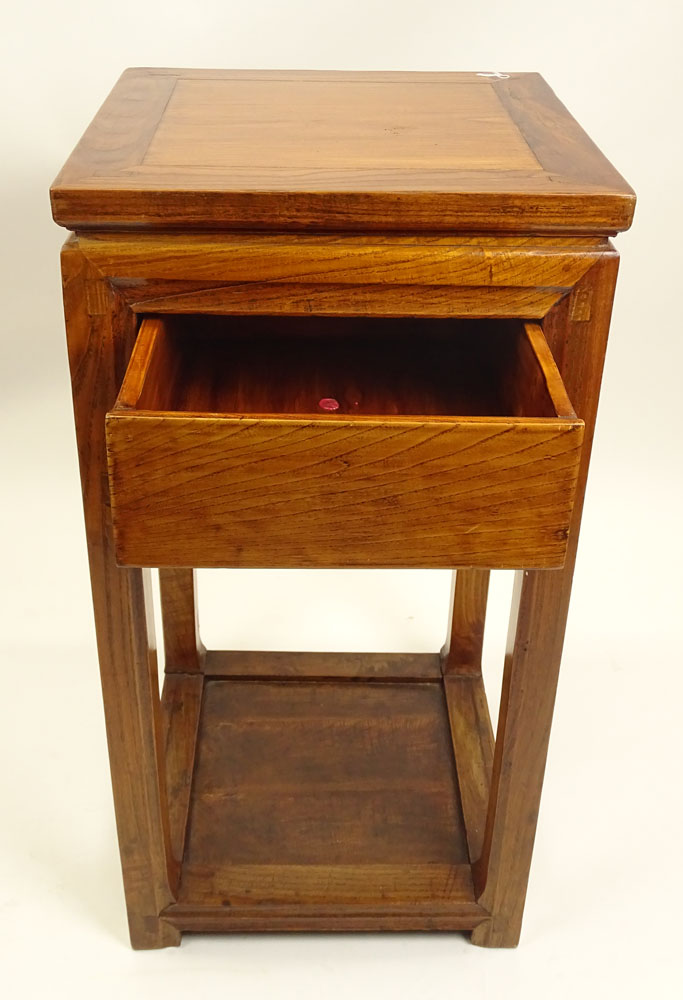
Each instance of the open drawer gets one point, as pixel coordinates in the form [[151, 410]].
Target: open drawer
[[451, 443]]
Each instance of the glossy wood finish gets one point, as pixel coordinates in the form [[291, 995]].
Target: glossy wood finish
[[571, 340], [342, 275], [270, 482], [578, 336], [355, 151], [100, 332], [307, 516], [214, 782]]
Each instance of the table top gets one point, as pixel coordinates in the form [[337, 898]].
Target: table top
[[353, 151]]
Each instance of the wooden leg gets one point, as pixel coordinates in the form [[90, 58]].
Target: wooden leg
[[182, 644], [99, 335], [578, 337], [468, 712], [529, 684], [462, 652], [182, 695]]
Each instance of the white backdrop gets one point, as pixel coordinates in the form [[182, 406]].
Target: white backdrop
[[601, 914]]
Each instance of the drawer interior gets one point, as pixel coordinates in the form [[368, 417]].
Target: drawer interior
[[327, 368]]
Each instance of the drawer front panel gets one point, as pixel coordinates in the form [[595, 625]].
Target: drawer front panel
[[192, 490]]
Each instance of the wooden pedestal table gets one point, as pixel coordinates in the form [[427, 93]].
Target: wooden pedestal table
[[332, 320]]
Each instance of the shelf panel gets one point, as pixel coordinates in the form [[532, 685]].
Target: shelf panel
[[321, 804], [324, 773], [324, 804]]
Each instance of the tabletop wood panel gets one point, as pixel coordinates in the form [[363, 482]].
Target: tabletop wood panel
[[383, 151], [212, 123]]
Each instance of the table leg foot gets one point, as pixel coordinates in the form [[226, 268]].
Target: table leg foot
[[496, 933], [147, 933]]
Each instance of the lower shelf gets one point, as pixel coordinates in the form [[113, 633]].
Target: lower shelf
[[317, 804]]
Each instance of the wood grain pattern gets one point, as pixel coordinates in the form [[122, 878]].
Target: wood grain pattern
[[438, 899], [536, 636], [533, 383], [279, 299], [205, 126], [462, 651], [569, 328], [402, 367], [455, 261], [276, 490], [375, 666], [343, 275], [344, 792], [332, 886], [323, 774], [279, 150], [364, 827], [183, 647], [378, 367], [473, 746], [308, 494], [338, 898], [99, 337], [181, 704], [388, 275]]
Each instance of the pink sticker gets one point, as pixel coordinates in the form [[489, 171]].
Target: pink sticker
[[329, 404]]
